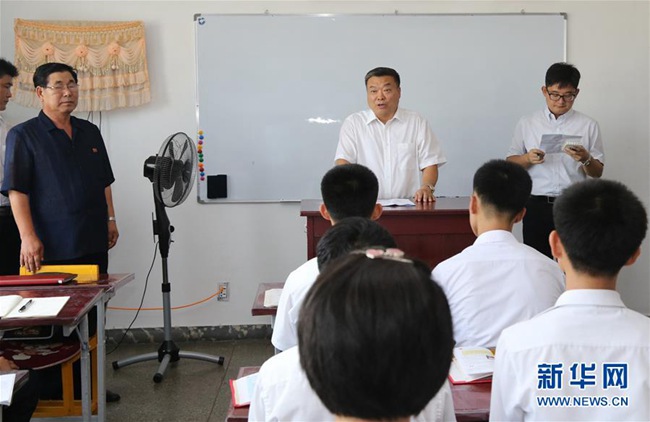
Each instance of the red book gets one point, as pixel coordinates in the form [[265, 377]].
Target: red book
[[36, 279], [242, 390]]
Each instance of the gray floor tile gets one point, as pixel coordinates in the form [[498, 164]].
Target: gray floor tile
[[191, 391]]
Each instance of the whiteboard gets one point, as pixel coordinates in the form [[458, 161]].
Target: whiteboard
[[273, 90]]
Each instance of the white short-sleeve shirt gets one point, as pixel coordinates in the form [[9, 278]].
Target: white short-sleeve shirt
[[283, 393], [285, 332], [495, 283], [396, 151], [559, 170], [585, 359]]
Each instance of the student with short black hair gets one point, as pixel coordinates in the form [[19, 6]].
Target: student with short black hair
[[497, 281], [348, 191], [351, 234], [553, 171], [375, 337], [589, 348], [282, 391]]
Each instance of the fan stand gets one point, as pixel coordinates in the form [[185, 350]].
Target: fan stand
[[168, 350]]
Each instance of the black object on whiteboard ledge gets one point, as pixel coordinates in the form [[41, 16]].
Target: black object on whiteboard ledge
[[218, 186]]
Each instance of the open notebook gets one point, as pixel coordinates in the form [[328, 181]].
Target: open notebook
[[16, 306]]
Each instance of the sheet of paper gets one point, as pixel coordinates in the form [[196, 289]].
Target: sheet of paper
[[272, 297], [396, 202], [7, 303], [39, 307], [457, 376], [554, 143], [6, 388]]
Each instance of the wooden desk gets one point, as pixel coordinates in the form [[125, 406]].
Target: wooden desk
[[240, 414], [73, 314], [258, 304], [471, 401], [79, 304], [431, 232], [105, 287]]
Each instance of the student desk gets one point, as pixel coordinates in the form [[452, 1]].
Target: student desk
[[471, 401], [73, 314], [431, 232], [83, 296], [258, 307]]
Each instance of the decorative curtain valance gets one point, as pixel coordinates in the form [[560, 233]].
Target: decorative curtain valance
[[109, 57]]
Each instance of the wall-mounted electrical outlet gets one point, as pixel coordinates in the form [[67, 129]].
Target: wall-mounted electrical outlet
[[224, 292]]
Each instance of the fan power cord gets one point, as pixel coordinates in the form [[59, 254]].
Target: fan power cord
[[140, 308], [144, 292], [173, 308]]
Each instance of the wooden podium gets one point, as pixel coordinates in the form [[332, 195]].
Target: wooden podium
[[431, 232]]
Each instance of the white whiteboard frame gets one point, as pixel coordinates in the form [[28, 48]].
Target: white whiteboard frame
[[202, 185]]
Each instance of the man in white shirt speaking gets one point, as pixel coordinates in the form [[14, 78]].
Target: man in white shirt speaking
[[396, 144], [588, 357]]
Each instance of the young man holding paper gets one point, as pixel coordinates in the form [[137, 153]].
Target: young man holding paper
[[552, 172]]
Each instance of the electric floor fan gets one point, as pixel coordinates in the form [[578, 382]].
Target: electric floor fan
[[172, 173]]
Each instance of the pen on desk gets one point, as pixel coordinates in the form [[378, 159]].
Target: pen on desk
[[25, 306]]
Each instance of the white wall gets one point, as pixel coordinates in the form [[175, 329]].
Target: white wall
[[250, 243]]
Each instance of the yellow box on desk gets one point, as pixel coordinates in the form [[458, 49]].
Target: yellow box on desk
[[85, 273]]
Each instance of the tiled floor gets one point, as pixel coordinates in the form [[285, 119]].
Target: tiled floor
[[192, 390]]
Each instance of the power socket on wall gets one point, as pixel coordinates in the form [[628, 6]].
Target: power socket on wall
[[224, 292]]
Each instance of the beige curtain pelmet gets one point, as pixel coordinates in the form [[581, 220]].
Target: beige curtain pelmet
[[109, 57]]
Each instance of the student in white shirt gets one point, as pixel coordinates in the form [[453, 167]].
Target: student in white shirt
[[588, 357], [497, 281], [396, 144], [375, 337], [347, 191], [553, 172], [282, 391]]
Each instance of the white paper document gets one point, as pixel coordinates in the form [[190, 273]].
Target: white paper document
[[38, 307], [555, 143], [396, 202], [272, 297], [6, 388]]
